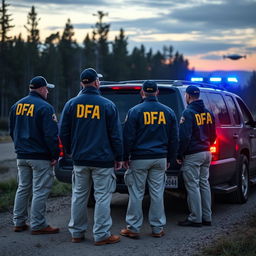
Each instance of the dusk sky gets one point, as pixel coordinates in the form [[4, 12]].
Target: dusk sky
[[203, 30]]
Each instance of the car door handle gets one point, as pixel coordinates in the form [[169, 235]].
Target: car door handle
[[252, 136], [235, 136]]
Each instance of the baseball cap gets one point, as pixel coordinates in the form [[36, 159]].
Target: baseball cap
[[89, 75], [193, 90], [39, 81], [149, 86]]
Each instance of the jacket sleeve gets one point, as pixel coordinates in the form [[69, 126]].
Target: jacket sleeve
[[12, 121], [173, 139], [65, 128], [115, 132], [185, 132], [129, 134], [50, 131]]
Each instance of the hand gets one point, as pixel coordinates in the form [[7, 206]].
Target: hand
[[178, 161], [126, 164], [167, 165], [54, 162], [118, 165]]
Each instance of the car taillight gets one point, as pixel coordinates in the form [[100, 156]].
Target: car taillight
[[126, 87], [215, 150], [61, 148]]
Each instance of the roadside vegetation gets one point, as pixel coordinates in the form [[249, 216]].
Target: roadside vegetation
[[8, 190], [240, 242]]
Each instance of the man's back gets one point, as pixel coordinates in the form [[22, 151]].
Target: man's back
[[150, 129], [94, 130], [33, 128]]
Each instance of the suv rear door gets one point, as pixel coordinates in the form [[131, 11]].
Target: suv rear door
[[249, 132]]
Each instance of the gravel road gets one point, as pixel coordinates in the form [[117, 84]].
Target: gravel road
[[177, 241]]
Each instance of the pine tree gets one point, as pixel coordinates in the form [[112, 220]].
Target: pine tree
[[100, 36], [71, 62], [89, 52], [32, 26], [119, 59], [5, 20], [5, 44]]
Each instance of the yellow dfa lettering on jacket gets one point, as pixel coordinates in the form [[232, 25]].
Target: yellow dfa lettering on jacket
[[87, 111], [154, 117], [25, 109], [203, 118]]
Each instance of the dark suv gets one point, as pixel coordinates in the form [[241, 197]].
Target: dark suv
[[233, 165]]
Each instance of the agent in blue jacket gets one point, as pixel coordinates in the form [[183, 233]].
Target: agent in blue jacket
[[91, 132], [150, 143], [33, 128], [197, 134]]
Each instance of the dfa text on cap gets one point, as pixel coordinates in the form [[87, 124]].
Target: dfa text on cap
[[193, 90], [39, 81], [149, 86], [89, 75]]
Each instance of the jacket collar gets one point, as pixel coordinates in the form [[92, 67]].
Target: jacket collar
[[90, 90], [36, 94], [151, 98]]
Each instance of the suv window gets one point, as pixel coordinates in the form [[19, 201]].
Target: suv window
[[125, 99], [245, 112], [219, 108], [203, 96], [233, 109]]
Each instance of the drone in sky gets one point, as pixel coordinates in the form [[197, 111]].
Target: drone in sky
[[234, 56]]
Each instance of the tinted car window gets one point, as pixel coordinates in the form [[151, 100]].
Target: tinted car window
[[245, 112], [203, 96], [219, 108], [233, 109], [126, 99]]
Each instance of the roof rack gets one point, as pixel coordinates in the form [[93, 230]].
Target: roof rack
[[173, 82]]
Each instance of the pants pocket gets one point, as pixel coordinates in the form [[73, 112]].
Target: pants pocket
[[128, 179]]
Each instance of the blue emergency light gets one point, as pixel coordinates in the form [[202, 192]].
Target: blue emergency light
[[215, 79], [196, 79], [232, 80]]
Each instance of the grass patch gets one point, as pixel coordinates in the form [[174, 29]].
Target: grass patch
[[8, 191], [60, 189], [7, 194], [239, 242]]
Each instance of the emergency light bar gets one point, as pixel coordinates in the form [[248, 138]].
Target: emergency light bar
[[215, 79], [196, 79], [232, 80]]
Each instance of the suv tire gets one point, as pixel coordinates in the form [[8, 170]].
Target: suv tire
[[242, 181]]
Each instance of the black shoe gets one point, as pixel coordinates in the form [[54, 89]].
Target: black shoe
[[188, 223], [206, 223]]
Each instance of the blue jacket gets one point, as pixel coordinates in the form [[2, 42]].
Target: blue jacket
[[90, 130], [150, 131], [33, 128], [197, 129]]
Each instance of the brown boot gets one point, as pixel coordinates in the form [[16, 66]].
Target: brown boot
[[127, 232], [77, 239], [47, 230], [110, 240], [20, 228]]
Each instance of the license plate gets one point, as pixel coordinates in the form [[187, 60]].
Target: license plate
[[172, 182]]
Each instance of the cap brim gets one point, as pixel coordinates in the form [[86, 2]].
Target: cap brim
[[100, 75], [50, 86]]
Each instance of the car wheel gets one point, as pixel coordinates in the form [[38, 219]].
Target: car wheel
[[242, 181]]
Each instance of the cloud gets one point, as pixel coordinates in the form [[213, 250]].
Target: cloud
[[211, 57], [66, 2], [227, 15]]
